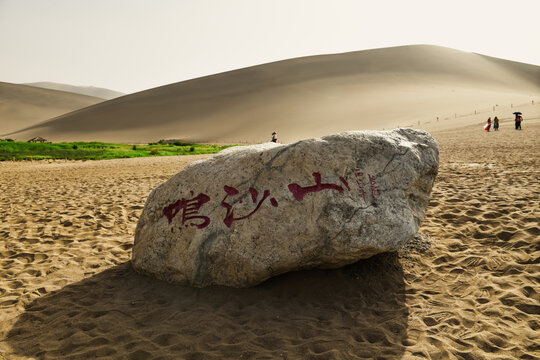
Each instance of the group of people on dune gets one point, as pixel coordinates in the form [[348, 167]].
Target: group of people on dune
[[517, 122]]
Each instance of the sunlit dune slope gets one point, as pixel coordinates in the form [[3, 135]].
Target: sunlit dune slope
[[84, 90], [305, 97], [22, 106]]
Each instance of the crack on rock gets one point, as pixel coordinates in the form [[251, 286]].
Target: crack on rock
[[201, 259], [349, 220], [393, 157], [254, 179]]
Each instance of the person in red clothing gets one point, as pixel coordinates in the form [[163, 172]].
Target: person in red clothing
[[488, 125]]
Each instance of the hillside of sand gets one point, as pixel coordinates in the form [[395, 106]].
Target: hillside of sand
[[22, 106], [98, 92], [467, 289], [306, 97]]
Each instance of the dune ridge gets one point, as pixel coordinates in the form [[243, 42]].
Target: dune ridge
[[305, 97], [98, 92]]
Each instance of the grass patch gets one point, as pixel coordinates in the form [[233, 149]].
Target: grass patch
[[15, 150]]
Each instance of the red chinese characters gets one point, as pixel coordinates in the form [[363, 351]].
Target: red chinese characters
[[299, 192], [373, 186], [359, 177], [190, 208], [229, 217], [190, 211]]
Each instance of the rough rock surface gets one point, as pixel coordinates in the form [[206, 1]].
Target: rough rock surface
[[250, 213]]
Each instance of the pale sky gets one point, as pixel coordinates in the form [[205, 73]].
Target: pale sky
[[133, 45]]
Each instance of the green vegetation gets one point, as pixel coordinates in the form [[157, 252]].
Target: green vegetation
[[15, 150]]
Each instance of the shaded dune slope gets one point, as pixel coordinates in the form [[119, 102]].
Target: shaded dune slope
[[22, 106], [304, 97]]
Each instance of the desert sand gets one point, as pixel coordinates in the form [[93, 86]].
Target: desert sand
[[22, 105], [467, 288], [305, 97]]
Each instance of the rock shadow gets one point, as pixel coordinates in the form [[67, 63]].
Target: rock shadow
[[350, 313]]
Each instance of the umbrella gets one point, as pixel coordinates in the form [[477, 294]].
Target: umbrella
[[517, 113]]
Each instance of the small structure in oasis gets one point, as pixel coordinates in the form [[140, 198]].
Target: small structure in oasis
[[250, 213], [37, 139]]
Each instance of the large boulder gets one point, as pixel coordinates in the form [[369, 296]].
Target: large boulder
[[253, 212]]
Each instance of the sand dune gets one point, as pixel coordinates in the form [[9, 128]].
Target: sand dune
[[306, 97], [22, 106], [101, 93], [467, 289]]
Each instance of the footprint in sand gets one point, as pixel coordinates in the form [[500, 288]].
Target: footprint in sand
[[29, 257]]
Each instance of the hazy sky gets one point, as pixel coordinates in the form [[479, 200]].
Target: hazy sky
[[132, 45]]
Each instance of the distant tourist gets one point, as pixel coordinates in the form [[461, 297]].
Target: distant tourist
[[274, 137], [495, 123], [518, 120], [488, 124]]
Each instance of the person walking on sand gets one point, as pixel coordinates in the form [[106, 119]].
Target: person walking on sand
[[274, 137], [518, 120], [488, 124], [495, 124]]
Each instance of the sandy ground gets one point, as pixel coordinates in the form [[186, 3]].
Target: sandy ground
[[468, 289]]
